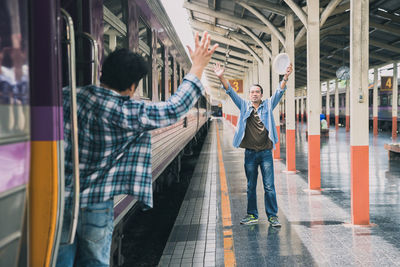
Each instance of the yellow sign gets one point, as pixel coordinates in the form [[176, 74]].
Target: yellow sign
[[237, 85], [386, 83]]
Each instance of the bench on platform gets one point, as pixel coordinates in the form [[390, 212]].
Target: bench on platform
[[393, 150]]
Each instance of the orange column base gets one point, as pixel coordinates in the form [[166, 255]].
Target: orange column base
[[375, 125], [359, 185], [302, 118], [394, 128], [277, 150], [337, 122], [290, 150], [347, 123], [314, 162]]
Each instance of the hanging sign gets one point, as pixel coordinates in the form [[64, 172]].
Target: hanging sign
[[237, 85], [386, 83]]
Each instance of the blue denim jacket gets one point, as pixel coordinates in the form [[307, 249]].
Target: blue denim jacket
[[264, 112]]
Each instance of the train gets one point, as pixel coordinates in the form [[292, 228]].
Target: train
[[384, 106], [50, 45]]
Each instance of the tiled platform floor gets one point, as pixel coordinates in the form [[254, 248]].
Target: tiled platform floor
[[315, 225]]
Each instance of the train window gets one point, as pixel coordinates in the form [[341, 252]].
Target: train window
[[384, 101], [115, 30], [144, 87], [160, 71], [14, 72], [390, 100], [178, 73], [170, 75]]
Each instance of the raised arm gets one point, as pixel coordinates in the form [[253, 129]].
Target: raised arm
[[276, 97], [148, 116], [219, 71]]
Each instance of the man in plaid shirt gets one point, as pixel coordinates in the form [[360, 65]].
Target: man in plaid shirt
[[115, 147]]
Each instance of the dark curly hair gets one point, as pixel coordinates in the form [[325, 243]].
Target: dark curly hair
[[122, 68]]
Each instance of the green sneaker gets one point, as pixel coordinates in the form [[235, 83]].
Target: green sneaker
[[249, 219], [273, 220]]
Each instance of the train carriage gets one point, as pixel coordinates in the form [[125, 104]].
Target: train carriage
[[49, 45]]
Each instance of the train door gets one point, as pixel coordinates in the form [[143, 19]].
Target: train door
[[61, 56], [14, 130]]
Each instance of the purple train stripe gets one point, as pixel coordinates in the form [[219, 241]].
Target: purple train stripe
[[47, 123], [122, 205], [14, 165]]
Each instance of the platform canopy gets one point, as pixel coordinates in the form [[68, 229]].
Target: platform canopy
[[239, 25]]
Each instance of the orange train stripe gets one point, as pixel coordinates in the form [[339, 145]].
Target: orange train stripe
[[43, 201], [314, 164], [291, 150], [277, 150], [229, 252], [359, 185]]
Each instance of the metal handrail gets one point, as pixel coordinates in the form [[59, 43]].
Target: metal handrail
[[95, 58], [74, 122]]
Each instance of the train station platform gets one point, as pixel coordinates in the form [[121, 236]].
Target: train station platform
[[316, 225]]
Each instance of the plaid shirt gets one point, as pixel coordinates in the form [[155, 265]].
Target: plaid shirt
[[115, 142]]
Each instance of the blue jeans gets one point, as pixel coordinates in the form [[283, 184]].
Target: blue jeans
[[93, 237], [253, 159]]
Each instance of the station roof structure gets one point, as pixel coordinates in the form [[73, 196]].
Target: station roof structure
[[232, 24]]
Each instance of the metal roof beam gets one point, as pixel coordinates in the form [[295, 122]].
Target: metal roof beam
[[384, 46], [218, 30], [229, 65], [231, 60], [330, 8], [230, 18], [269, 24], [385, 28], [252, 52], [230, 42], [298, 11], [273, 8], [236, 54], [261, 43]]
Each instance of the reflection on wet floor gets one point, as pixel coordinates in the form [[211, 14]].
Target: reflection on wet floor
[[316, 227], [384, 182]]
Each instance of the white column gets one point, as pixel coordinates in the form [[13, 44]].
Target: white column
[[255, 72], [394, 101], [313, 95], [275, 84], [328, 108], [375, 103], [290, 104], [348, 105], [264, 75], [359, 132], [336, 104]]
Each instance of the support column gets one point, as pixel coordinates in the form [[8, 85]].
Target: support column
[[328, 108], [359, 132], [394, 101], [302, 106], [313, 95], [290, 103], [375, 103], [264, 74], [347, 105], [275, 84], [336, 104]]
